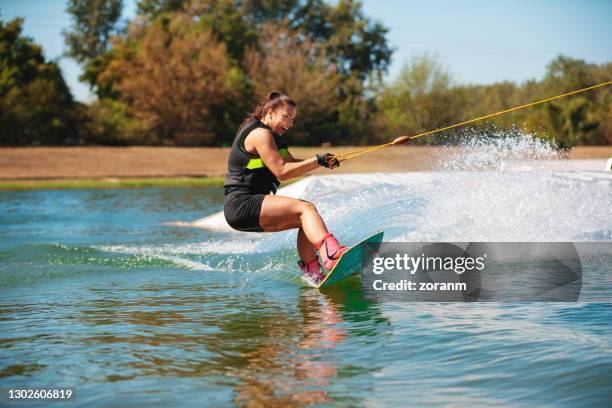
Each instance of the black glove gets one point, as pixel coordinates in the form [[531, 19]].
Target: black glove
[[328, 160]]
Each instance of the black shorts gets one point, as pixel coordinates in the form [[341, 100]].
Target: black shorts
[[242, 211]]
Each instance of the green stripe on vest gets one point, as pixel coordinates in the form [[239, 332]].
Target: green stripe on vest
[[258, 163]]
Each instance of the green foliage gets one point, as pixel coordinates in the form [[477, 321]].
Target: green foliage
[[228, 23], [420, 99], [423, 98], [355, 44], [109, 123], [35, 104], [335, 44], [585, 118], [185, 72], [154, 8], [352, 41], [88, 40], [94, 23]]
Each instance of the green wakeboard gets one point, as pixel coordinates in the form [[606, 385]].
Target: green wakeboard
[[349, 263]]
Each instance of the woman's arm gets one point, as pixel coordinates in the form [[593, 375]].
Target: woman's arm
[[263, 143], [290, 159]]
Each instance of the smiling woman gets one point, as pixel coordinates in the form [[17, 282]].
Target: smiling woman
[[258, 159]]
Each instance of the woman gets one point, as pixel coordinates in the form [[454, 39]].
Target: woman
[[258, 160]]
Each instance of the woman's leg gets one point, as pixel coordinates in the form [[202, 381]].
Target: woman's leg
[[283, 213], [305, 249]]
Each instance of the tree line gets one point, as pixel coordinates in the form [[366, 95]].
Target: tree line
[[186, 72]]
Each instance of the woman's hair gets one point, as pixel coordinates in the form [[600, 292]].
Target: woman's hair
[[272, 102]]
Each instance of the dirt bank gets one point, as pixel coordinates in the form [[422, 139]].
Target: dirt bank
[[142, 162]]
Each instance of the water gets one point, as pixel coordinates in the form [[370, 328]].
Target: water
[[97, 295]]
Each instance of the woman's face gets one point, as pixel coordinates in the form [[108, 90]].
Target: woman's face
[[281, 119]]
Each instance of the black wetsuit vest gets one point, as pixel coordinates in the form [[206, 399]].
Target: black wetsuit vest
[[246, 172]]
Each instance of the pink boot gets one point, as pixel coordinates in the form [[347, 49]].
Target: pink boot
[[330, 250], [311, 272]]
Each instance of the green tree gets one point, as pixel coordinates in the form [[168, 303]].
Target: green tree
[[420, 99], [154, 8], [109, 122], [225, 18], [354, 46], [341, 40], [88, 40], [35, 103], [350, 40], [583, 119]]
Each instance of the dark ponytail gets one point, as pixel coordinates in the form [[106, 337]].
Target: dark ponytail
[[272, 102], [273, 95]]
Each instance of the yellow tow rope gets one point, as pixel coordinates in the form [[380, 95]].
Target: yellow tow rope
[[404, 139]]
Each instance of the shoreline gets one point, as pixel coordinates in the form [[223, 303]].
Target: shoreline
[[108, 183], [97, 167]]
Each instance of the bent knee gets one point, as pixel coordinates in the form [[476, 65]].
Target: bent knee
[[307, 206]]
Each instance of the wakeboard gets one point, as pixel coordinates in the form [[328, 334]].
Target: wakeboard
[[349, 263]]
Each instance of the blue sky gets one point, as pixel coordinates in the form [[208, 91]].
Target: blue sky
[[478, 41]]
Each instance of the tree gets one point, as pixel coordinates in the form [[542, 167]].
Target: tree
[[154, 8], [583, 119], [356, 44], [303, 75], [88, 40], [352, 45], [177, 80], [342, 40], [109, 122], [35, 104], [420, 99], [226, 18], [353, 42]]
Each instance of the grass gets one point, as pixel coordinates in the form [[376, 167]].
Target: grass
[[111, 183]]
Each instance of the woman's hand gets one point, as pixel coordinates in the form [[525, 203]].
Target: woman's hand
[[328, 160]]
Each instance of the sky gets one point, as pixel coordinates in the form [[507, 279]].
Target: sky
[[479, 42]]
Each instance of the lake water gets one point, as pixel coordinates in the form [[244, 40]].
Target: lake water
[[97, 295]]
